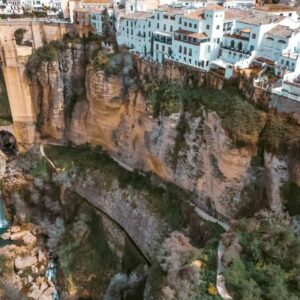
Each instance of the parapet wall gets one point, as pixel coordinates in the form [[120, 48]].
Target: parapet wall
[[178, 72]]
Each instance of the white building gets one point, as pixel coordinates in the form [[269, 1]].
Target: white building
[[135, 32], [140, 5], [198, 40], [248, 38], [99, 17]]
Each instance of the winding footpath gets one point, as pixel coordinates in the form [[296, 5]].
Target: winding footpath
[[220, 281]]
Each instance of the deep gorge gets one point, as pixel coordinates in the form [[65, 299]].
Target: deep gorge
[[189, 141]]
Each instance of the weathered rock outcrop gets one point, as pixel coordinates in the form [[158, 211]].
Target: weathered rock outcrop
[[113, 114]]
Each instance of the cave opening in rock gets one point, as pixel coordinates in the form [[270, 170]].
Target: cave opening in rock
[[8, 143]]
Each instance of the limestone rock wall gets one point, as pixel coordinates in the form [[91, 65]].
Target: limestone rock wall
[[206, 163]]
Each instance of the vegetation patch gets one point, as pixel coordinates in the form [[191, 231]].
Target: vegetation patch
[[268, 266], [84, 253], [47, 53], [243, 121], [180, 144], [291, 195], [169, 201], [281, 133]]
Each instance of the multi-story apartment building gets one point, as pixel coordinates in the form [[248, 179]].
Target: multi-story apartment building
[[100, 18], [198, 40], [165, 22], [248, 38], [135, 32]]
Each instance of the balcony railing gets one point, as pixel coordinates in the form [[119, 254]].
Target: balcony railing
[[236, 50], [237, 37]]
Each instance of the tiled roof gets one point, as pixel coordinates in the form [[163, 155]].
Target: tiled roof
[[281, 31], [138, 15], [260, 18], [276, 8], [197, 35], [214, 7], [96, 1], [235, 14], [197, 14], [171, 11]]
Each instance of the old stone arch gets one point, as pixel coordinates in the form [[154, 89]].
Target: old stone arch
[[22, 37], [8, 143]]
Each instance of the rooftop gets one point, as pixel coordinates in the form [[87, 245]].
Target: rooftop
[[171, 11], [197, 14], [104, 2], [138, 15], [259, 18], [235, 14], [275, 8], [281, 31], [197, 35]]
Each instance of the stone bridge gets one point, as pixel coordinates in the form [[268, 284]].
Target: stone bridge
[[13, 58]]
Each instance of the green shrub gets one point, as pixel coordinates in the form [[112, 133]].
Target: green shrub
[[168, 202], [269, 266], [47, 53], [281, 133]]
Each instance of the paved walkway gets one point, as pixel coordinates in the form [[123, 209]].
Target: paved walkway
[[220, 282]]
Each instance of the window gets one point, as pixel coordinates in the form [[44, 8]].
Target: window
[[171, 28], [131, 7], [149, 25], [232, 44], [290, 14], [157, 16], [157, 47], [185, 24], [180, 20], [195, 26], [157, 26], [253, 35], [208, 49], [190, 24], [207, 26], [165, 27], [180, 49], [184, 50], [218, 26], [190, 52], [251, 48], [163, 48], [131, 31]]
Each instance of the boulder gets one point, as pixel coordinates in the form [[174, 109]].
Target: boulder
[[41, 256], [18, 235], [29, 239], [49, 291], [15, 229], [25, 262], [35, 294], [5, 236], [45, 297]]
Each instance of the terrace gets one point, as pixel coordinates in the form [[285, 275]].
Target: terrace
[[189, 37], [163, 37]]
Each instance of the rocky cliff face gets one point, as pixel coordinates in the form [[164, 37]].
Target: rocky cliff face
[[85, 105]]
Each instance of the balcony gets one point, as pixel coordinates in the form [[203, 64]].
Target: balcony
[[162, 37], [228, 48], [237, 37]]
